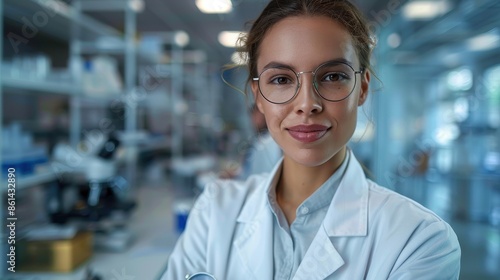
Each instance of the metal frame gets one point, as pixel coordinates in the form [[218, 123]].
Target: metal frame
[[128, 50]]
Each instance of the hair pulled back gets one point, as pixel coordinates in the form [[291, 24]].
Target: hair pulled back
[[341, 11]]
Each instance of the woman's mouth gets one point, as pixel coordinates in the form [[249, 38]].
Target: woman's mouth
[[307, 133]]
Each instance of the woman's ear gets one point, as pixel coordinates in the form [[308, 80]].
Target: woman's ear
[[256, 96], [365, 86]]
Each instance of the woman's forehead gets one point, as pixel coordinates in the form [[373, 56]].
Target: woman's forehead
[[306, 41]]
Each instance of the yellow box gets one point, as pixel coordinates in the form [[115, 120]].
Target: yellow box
[[55, 255]]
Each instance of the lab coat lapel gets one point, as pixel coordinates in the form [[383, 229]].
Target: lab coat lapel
[[254, 243], [254, 246], [347, 215], [320, 260], [348, 212]]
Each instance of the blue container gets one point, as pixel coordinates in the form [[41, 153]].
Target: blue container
[[181, 213]]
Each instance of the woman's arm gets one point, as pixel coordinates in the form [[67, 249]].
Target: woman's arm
[[432, 253]]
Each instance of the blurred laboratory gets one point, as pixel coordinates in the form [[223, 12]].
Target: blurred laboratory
[[116, 113]]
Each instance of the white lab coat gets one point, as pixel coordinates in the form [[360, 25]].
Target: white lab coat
[[369, 232]]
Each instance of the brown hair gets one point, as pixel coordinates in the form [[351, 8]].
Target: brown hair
[[341, 11]]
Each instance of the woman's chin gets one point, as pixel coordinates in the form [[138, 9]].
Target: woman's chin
[[311, 159], [315, 157]]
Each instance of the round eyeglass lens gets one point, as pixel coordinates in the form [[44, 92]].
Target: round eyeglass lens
[[278, 85], [201, 276], [334, 81]]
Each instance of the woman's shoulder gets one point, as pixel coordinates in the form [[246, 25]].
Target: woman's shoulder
[[384, 202], [229, 193]]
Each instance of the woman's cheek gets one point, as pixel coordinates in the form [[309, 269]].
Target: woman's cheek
[[274, 125], [274, 117]]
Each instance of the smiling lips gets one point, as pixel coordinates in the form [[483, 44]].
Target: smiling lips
[[308, 133]]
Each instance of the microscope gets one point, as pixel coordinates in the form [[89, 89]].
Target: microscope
[[102, 204]]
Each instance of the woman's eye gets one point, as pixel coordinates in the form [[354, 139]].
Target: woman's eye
[[281, 80], [335, 77]]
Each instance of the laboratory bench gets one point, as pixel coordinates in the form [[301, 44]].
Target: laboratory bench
[[154, 235]]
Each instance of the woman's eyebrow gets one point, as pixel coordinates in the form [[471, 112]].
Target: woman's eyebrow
[[275, 64], [342, 60]]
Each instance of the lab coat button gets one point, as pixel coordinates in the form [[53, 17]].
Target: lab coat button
[[304, 210]]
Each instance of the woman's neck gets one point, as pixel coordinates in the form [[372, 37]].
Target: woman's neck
[[298, 182]]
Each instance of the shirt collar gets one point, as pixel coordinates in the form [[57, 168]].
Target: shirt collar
[[322, 197], [347, 213]]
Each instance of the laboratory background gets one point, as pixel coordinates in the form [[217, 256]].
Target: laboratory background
[[116, 113]]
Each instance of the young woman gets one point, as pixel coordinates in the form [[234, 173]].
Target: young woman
[[315, 215]]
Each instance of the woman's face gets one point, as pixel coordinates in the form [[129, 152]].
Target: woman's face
[[310, 130]]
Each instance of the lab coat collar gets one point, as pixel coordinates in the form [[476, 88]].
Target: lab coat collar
[[260, 202], [320, 260], [348, 212], [347, 216]]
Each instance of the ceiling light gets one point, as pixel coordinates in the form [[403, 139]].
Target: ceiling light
[[445, 134], [214, 6], [485, 41], [460, 80], [136, 5], [394, 40], [425, 9], [181, 38], [229, 38]]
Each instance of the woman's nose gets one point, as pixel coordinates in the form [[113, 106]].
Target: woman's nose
[[308, 100]]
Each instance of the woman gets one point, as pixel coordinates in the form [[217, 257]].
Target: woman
[[315, 215]]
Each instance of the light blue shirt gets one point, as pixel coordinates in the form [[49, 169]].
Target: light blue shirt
[[291, 242]]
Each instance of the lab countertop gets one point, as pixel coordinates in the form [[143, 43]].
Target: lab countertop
[[146, 258]]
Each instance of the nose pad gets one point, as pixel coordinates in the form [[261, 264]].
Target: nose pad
[[306, 85], [309, 99]]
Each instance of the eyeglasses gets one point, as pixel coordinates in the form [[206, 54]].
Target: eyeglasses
[[200, 276], [333, 81]]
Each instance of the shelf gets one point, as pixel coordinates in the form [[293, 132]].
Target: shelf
[[27, 181], [60, 18], [38, 86], [60, 88], [155, 143], [117, 48], [35, 179], [100, 101], [103, 47], [107, 5]]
